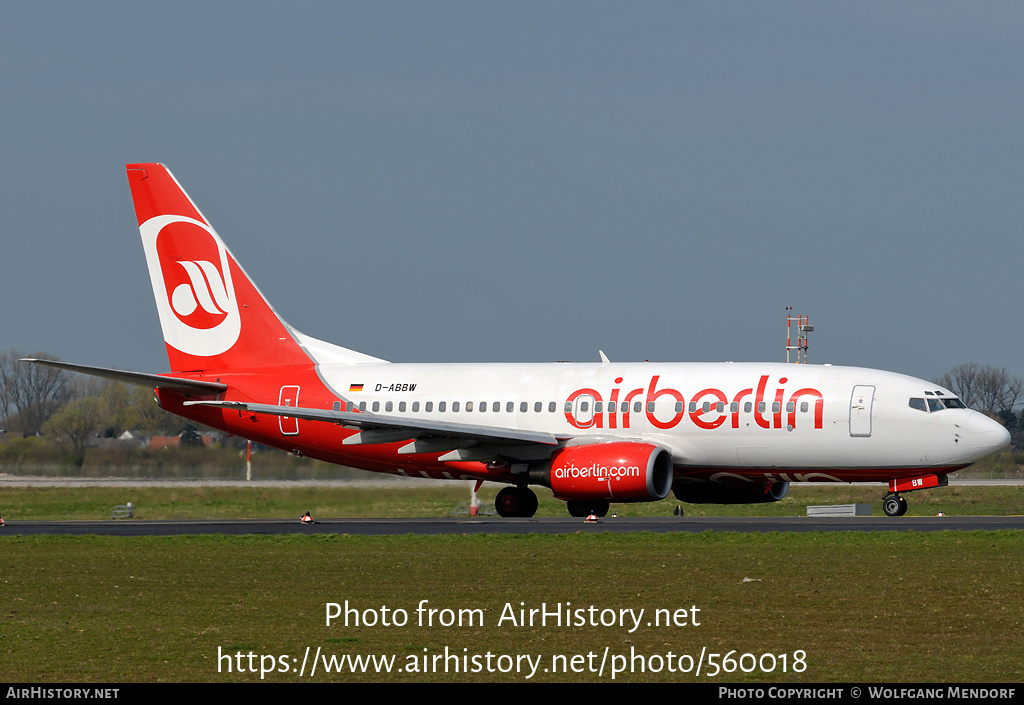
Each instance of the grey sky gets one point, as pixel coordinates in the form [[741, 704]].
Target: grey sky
[[429, 181]]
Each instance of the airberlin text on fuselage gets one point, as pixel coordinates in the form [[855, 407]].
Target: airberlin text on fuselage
[[775, 408]]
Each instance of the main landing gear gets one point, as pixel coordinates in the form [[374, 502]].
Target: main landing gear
[[516, 502], [894, 505], [586, 507]]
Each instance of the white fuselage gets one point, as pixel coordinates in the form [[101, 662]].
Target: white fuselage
[[780, 421]]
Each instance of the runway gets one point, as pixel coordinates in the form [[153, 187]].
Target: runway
[[492, 525]]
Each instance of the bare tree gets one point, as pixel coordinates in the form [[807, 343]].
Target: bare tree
[[984, 388], [30, 394]]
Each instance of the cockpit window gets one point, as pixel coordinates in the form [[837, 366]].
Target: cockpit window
[[931, 404]]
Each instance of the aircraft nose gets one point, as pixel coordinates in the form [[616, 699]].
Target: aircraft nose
[[986, 436]]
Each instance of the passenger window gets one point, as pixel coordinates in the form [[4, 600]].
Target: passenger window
[[362, 406], [401, 406], [510, 407], [415, 406], [706, 407], [650, 406], [791, 406], [349, 406], [734, 407], [429, 406], [598, 407], [638, 406], [337, 406], [389, 406], [761, 406], [455, 405], [469, 406], [747, 406], [497, 406], [551, 406], [568, 407], [693, 406], [679, 406], [523, 406], [441, 405], [720, 407], [804, 407]]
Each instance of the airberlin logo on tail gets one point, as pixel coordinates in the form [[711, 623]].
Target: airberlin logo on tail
[[188, 267], [204, 295]]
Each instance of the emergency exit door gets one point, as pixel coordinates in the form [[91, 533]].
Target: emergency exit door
[[289, 397]]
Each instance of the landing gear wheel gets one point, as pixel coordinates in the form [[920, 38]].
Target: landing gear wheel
[[894, 505], [584, 507], [516, 502], [530, 507]]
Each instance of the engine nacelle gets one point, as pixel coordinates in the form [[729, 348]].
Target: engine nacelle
[[616, 472], [702, 492]]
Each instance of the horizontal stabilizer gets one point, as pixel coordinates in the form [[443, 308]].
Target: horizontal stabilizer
[[142, 379]]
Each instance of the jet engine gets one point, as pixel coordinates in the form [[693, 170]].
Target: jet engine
[[702, 492], [617, 472]]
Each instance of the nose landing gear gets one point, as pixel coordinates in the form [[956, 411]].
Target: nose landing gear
[[895, 505]]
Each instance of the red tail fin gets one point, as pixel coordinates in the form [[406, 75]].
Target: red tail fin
[[213, 316]]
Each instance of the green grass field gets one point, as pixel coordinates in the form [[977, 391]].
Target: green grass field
[[826, 607], [936, 607]]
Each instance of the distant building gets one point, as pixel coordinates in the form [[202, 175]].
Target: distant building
[[158, 442]]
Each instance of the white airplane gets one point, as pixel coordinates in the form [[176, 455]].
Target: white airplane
[[594, 433]]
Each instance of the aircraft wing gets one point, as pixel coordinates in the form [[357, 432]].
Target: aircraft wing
[[143, 379], [377, 428]]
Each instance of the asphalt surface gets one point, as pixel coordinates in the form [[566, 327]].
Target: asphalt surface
[[495, 525]]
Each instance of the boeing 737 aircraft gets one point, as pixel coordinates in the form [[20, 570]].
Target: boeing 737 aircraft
[[594, 433]]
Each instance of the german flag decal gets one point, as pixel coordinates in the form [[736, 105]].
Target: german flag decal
[[355, 387]]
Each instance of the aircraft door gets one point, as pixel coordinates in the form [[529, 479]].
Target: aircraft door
[[289, 397], [860, 410]]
